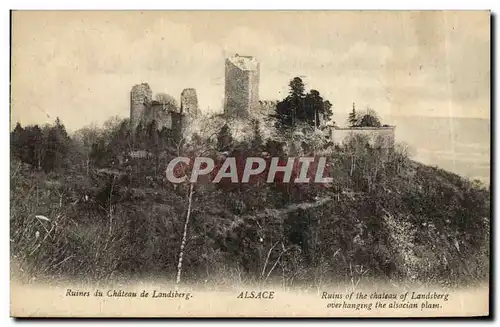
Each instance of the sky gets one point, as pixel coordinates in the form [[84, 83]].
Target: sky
[[81, 65]]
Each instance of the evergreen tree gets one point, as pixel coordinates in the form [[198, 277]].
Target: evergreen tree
[[62, 131], [17, 141], [283, 115], [296, 100], [298, 107], [36, 146], [327, 110], [58, 147], [31, 144], [353, 119], [291, 109], [314, 108]]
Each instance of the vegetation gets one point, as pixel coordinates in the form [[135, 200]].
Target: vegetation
[[89, 206], [299, 107], [369, 119]]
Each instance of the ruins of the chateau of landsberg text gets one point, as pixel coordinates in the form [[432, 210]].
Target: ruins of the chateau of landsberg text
[[241, 101]]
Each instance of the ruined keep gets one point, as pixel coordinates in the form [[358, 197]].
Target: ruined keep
[[189, 102], [241, 97], [140, 96]]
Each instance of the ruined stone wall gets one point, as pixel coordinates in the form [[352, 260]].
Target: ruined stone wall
[[166, 113], [384, 135], [140, 96], [189, 102], [161, 113]]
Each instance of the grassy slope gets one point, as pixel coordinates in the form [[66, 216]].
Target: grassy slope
[[421, 224]]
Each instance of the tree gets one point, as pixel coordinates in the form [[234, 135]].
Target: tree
[[283, 115], [36, 146], [111, 126], [98, 153], [353, 118], [62, 130], [87, 137], [28, 144], [291, 109], [224, 139], [299, 108], [186, 170], [314, 108], [17, 141], [296, 100], [58, 147], [327, 110], [297, 87], [370, 119]]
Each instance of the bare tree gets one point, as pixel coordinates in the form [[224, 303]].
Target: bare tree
[[200, 150], [87, 136], [184, 235]]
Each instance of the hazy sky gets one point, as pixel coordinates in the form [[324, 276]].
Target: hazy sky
[[81, 66]]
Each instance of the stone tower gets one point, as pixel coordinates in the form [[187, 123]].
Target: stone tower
[[189, 102], [140, 98], [241, 86]]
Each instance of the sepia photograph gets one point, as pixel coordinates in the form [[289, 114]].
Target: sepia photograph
[[250, 163]]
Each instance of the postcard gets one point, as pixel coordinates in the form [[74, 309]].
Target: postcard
[[250, 164]]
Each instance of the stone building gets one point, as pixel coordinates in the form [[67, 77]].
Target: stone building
[[189, 102], [140, 96], [165, 115], [241, 97]]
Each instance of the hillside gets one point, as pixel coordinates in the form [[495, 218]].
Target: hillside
[[385, 217]]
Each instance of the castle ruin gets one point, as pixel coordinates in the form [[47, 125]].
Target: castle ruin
[[165, 112], [140, 97], [241, 98]]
